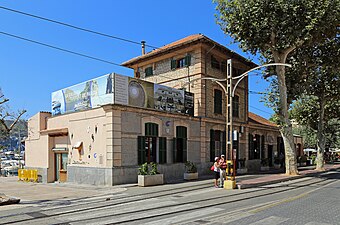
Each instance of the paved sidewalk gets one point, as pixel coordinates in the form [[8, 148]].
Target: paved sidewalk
[[277, 178], [32, 194]]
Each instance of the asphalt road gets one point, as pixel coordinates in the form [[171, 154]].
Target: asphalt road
[[306, 201]]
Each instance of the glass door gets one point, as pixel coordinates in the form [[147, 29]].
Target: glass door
[[61, 166]]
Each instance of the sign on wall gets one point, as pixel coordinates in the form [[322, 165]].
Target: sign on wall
[[118, 89]]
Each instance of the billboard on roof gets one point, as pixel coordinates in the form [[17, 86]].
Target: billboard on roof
[[118, 89]]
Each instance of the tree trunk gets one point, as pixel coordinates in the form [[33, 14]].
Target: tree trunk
[[321, 136], [285, 124]]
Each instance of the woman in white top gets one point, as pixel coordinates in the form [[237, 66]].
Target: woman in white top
[[216, 171]]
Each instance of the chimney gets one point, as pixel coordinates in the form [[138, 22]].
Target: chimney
[[143, 47]]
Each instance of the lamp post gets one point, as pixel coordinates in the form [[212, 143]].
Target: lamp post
[[229, 91]]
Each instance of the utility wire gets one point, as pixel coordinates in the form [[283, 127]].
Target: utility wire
[[60, 49], [256, 92], [75, 27], [260, 110]]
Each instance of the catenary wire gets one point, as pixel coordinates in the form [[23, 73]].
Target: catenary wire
[[260, 110], [78, 28], [75, 27], [60, 49]]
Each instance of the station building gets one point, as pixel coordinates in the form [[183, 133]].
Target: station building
[[100, 131]]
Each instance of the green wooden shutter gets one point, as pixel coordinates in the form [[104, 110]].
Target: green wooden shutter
[[223, 143], [162, 150], [148, 71], [217, 101], [187, 60], [174, 150], [141, 150], [173, 64], [212, 145], [185, 149]]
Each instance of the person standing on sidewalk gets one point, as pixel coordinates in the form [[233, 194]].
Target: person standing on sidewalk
[[216, 171], [223, 166]]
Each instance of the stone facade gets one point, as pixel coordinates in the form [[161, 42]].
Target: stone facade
[[103, 146]]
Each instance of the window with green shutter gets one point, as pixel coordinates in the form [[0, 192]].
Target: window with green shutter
[[212, 145], [180, 147], [162, 150], [215, 64], [173, 64], [187, 60], [148, 71], [181, 62], [223, 143], [236, 106], [217, 101], [141, 150]]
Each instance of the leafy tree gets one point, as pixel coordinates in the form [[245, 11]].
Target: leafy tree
[[319, 67], [275, 29]]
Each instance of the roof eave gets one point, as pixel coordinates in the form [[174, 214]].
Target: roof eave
[[202, 39]]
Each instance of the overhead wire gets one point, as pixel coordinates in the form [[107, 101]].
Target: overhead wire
[[60, 49], [75, 27], [78, 28], [260, 110]]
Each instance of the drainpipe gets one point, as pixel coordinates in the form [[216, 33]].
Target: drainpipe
[[143, 47]]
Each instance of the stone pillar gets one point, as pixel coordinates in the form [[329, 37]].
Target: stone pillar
[[117, 138], [109, 139], [203, 142]]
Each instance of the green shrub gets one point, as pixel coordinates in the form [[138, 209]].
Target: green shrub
[[145, 170], [190, 167]]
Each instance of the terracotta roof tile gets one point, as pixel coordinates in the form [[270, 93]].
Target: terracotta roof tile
[[258, 119], [178, 43]]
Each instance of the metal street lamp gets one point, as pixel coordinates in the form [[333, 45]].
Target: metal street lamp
[[229, 91]]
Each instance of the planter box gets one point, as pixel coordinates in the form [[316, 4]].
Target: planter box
[[303, 163], [150, 180], [264, 168], [190, 176], [242, 171]]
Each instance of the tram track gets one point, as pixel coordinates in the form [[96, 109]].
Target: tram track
[[173, 208]]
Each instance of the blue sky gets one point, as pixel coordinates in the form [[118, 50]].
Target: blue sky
[[29, 73]]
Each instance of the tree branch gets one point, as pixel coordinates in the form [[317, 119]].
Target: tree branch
[[3, 101], [17, 119]]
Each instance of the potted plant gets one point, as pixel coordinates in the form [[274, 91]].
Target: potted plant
[[149, 176], [190, 171], [265, 164]]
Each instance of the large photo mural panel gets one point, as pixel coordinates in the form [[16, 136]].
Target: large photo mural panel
[[102, 90], [118, 89]]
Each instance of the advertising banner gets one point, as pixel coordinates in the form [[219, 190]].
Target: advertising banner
[[119, 89], [86, 95]]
